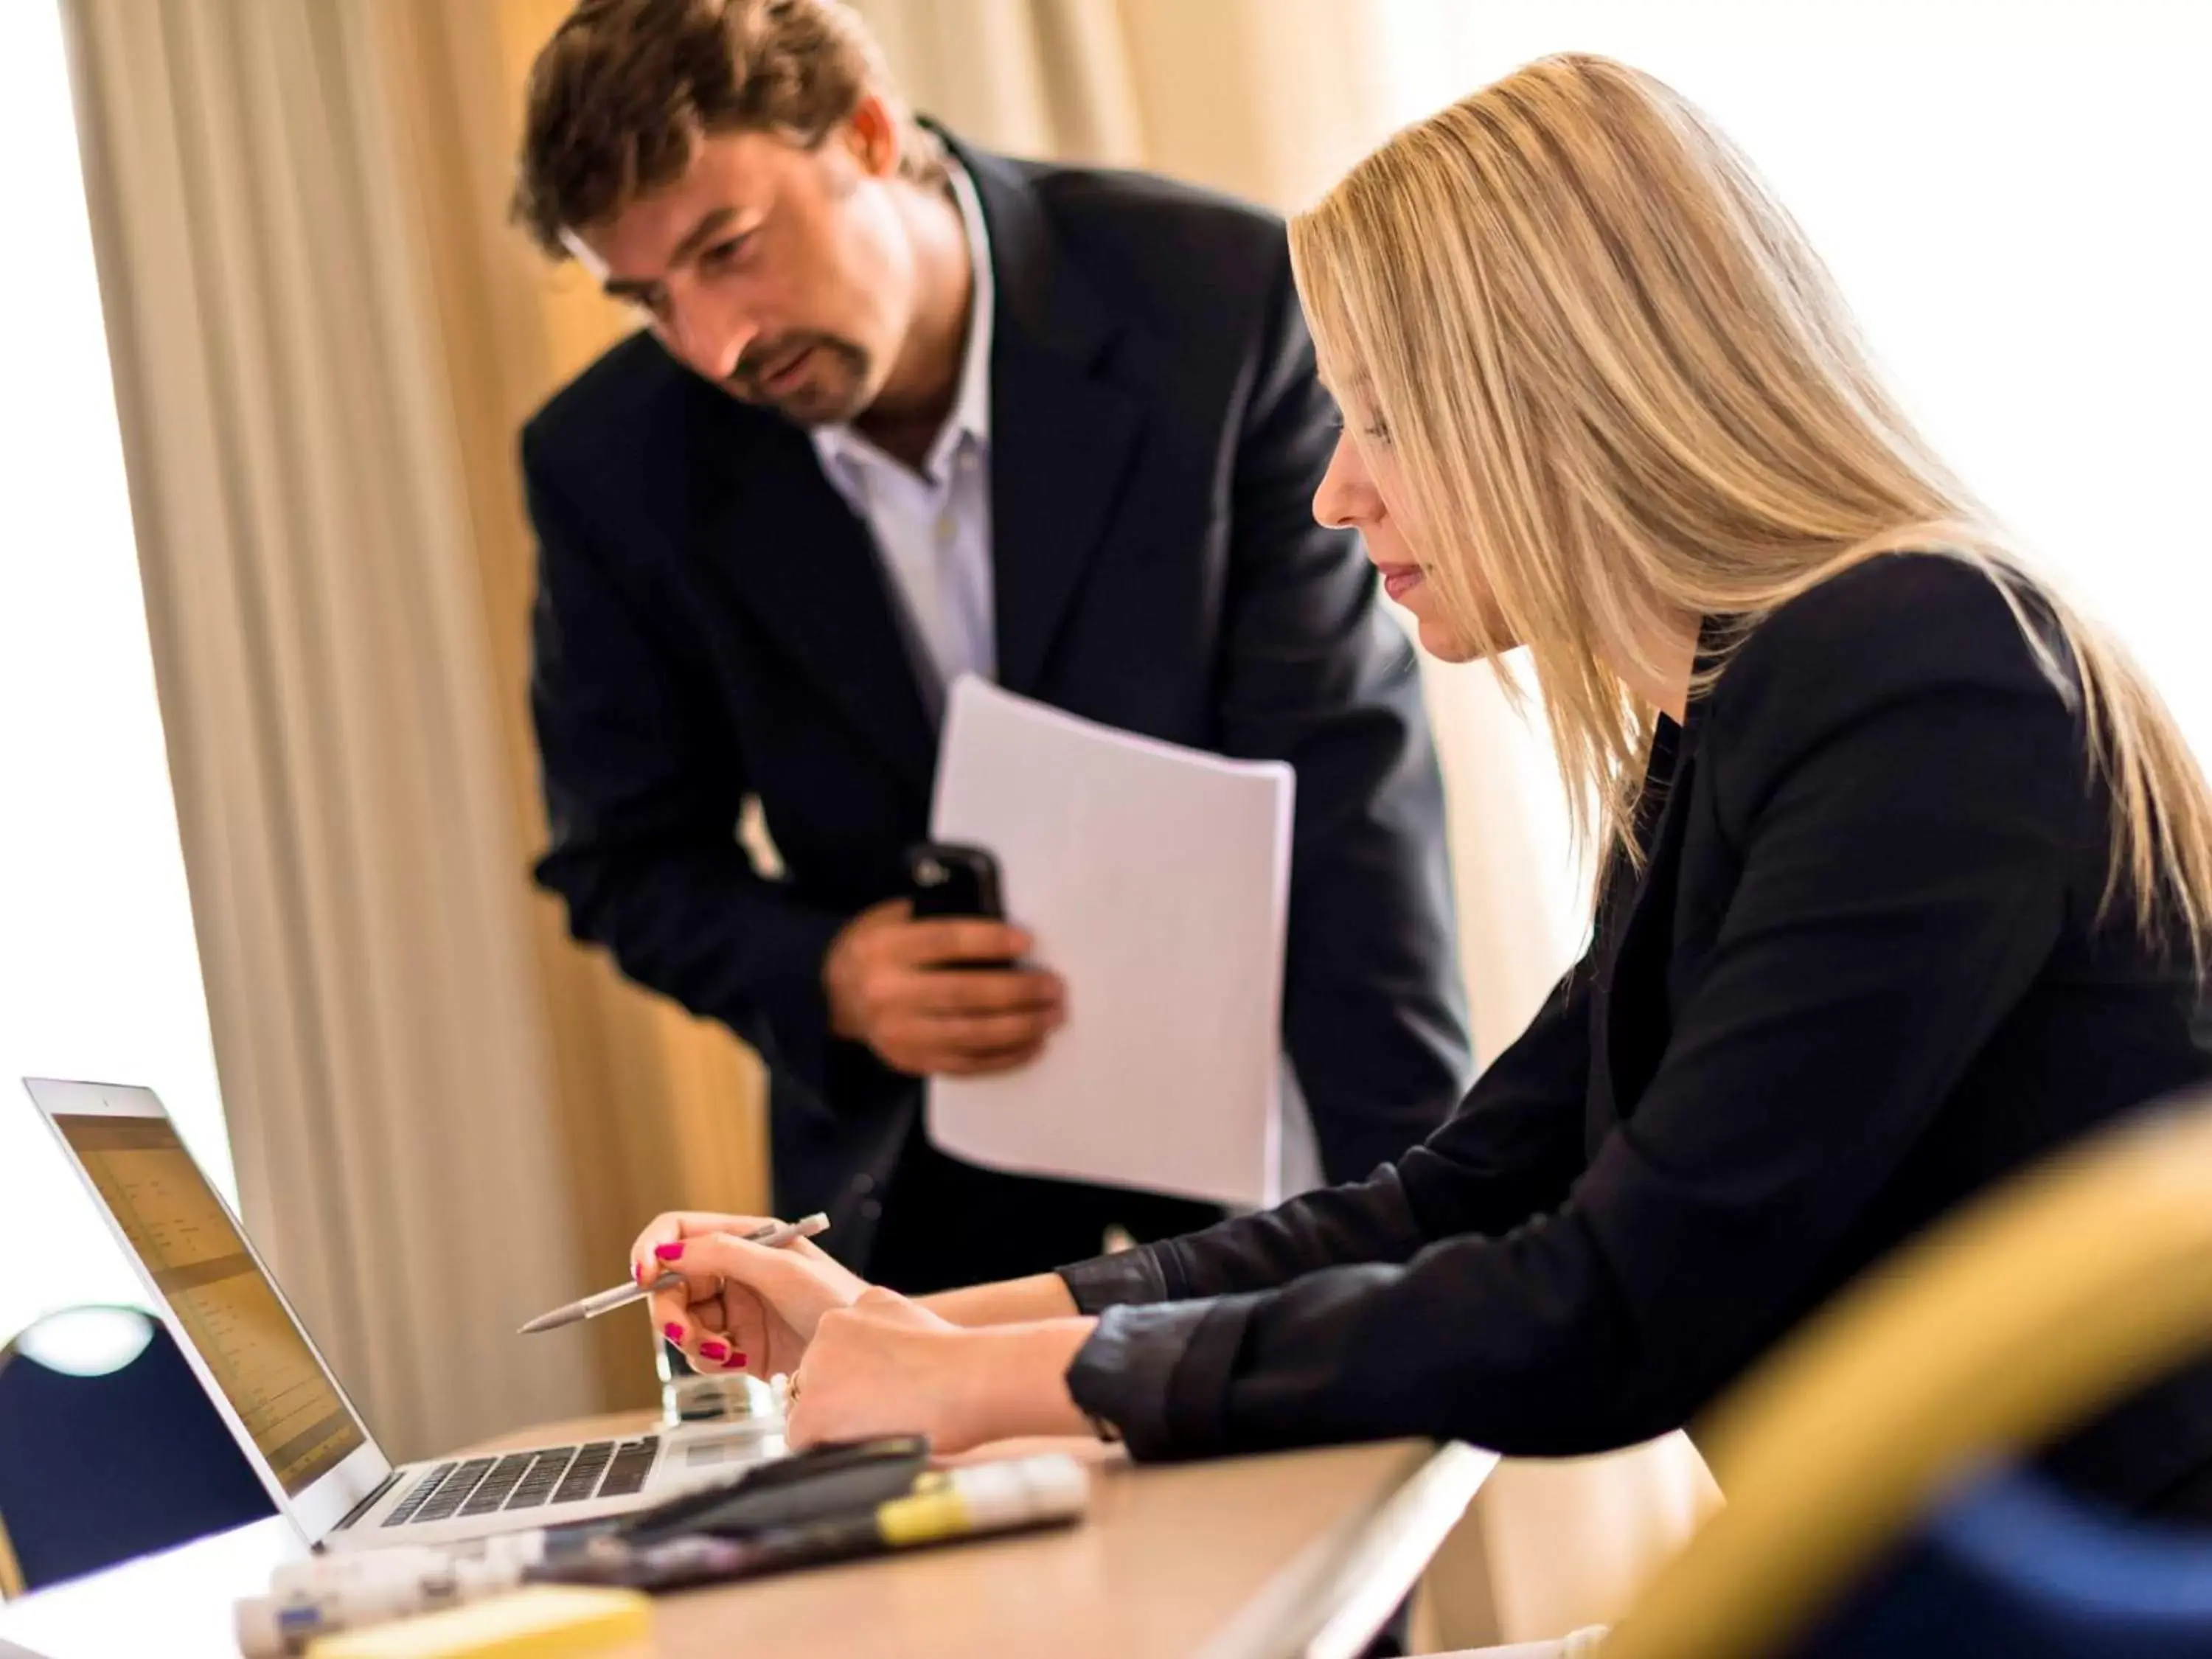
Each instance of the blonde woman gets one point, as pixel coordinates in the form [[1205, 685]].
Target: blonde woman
[[1909, 874]]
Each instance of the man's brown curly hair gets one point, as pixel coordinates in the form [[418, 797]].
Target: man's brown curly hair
[[618, 99]]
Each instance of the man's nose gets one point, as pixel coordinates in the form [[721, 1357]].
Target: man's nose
[[711, 339]]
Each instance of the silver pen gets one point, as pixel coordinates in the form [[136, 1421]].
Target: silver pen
[[768, 1233]]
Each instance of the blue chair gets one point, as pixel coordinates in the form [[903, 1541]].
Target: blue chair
[[1876, 1504], [2014, 1565], [109, 1447]]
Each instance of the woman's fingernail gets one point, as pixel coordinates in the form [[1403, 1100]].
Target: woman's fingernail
[[713, 1350], [734, 1361], [673, 1333], [668, 1252]]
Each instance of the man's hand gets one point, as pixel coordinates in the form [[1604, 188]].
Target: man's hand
[[895, 984]]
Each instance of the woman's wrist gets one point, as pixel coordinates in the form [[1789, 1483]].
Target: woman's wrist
[[1009, 1301], [1020, 1380]]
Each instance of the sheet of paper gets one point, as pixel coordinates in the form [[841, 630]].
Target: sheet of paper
[[1157, 882]]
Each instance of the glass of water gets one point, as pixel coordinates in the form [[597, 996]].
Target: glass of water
[[692, 1396]]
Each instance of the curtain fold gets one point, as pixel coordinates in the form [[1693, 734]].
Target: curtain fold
[[653, 1109], [318, 654]]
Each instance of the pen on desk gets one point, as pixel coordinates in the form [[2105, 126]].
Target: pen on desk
[[770, 1233]]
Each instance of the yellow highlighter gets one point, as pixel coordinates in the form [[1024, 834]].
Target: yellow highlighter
[[544, 1621], [984, 1498], [944, 1504]]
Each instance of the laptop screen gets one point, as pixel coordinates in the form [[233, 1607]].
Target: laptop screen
[[223, 1303]]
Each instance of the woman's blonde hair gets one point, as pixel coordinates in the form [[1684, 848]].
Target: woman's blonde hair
[[1618, 381]]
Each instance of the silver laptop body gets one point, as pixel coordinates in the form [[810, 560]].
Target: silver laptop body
[[270, 1386]]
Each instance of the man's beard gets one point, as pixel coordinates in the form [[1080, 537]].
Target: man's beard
[[833, 391]]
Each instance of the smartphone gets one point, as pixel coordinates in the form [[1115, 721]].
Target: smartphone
[[947, 878]]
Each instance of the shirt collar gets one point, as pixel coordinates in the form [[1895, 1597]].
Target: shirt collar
[[970, 414], [971, 407]]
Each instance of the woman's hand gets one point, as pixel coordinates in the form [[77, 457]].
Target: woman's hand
[[885, 1365], [740, 1304]]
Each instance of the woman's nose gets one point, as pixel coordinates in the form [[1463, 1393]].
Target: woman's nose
[[1343, 499]]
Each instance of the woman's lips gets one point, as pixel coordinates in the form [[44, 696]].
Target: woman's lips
[[1399, 580]]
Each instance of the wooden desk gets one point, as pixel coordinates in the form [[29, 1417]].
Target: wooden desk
[[1297, 1553]]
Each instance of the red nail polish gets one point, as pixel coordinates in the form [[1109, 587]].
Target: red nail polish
[[668, 1252], [673, 1333], [713, 1350], [734, 1361]]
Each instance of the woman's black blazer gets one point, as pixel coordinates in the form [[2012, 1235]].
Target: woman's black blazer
[[1861, 976]]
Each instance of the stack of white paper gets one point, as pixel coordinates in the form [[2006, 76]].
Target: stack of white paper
[[1157, 882]]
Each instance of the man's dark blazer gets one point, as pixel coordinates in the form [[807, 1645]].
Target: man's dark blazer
[[713, 622], [1863, 975]]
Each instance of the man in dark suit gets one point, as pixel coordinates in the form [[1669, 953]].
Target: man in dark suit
[[903, 410]]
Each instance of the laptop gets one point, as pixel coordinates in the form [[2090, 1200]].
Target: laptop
[[289, 1416]]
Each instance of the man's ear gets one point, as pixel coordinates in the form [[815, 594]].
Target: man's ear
[[871, 134]]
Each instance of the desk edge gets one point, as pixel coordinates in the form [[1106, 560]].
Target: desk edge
[[1332, 1597]]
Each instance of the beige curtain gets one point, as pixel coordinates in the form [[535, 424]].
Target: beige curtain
[[318, 647], [655, 1111], [445, 1116], [1271, 99]]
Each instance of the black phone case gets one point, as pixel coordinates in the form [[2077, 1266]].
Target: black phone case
[[946, 879]]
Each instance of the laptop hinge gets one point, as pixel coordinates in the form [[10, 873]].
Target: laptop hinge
[[368, 1502]]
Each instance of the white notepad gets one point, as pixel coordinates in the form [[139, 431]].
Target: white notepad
[[1157, 882]]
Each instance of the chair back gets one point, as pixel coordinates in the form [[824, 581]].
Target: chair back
[[109, 1447], [2014, 1565], [2055, 1297]]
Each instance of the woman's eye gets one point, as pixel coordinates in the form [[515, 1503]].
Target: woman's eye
[[1378, 429], [724, 252]]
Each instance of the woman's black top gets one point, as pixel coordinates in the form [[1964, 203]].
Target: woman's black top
[[1860, 977]]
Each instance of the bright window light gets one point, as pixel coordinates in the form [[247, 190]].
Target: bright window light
[[2017, 202], [98, 971]]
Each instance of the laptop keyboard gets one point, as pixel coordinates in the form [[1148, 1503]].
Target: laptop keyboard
[[525, 1480]]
